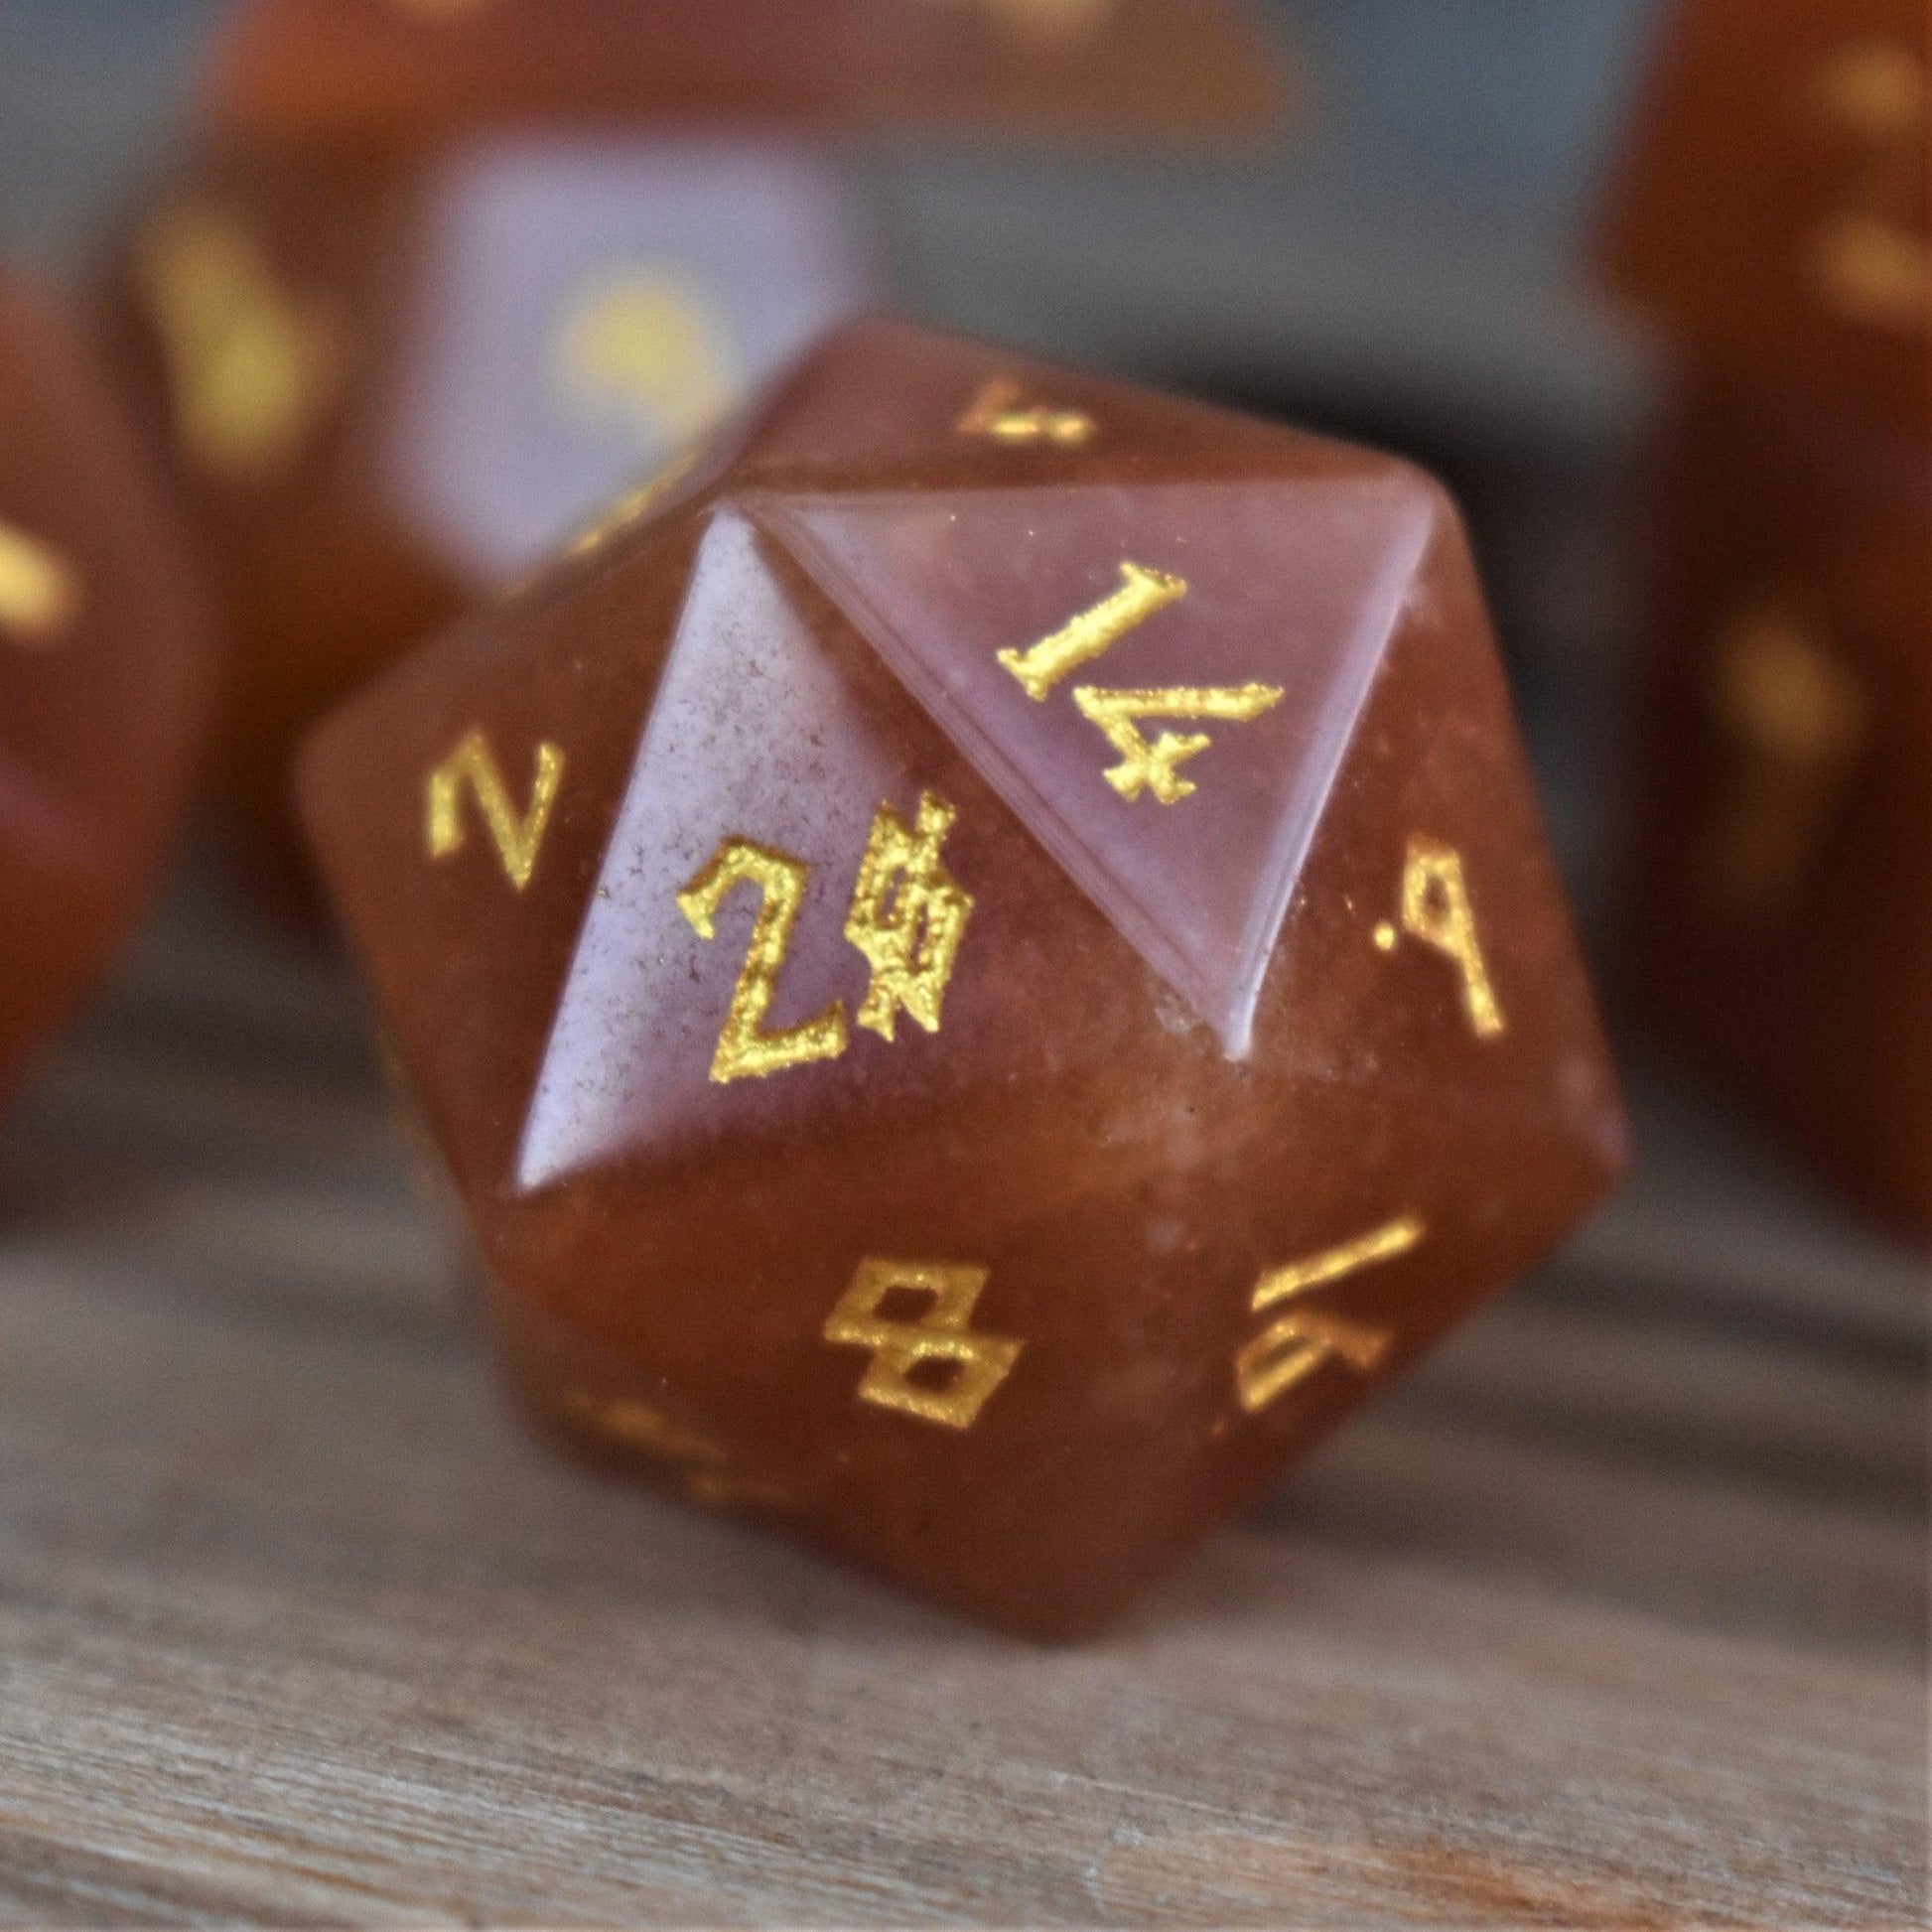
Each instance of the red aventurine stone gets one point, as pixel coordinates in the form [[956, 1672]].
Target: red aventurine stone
[[405, 69], [987, 968], [386, 387], [104, 664], [1780, 922], [1773, 209]]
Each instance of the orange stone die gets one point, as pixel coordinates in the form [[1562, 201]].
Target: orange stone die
[[104, 673], [986, 966]]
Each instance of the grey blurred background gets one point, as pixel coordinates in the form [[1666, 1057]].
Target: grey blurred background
[[1407, 264]]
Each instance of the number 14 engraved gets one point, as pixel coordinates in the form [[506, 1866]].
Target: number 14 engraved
[[1143, 766], [907, 920]]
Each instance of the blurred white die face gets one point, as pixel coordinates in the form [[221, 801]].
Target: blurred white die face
[[582, 308]]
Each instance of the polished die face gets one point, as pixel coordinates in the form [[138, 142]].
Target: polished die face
[[406, 71], [986, 966], [1780, 920], [104, 674], [388, 386], [1774, 207]]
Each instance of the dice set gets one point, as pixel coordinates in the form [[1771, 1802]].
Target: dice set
[[1775, 218], [106, 668], [986, 966], [976, 941]]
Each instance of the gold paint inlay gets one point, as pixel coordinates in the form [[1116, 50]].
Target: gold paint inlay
[[1436, 910], [1797, 720], [251, 371], [39, 591], [943, 1335], [648, 346], [745, 1052], [908, 918], [1869, 261], [1295, 1347], [517, 840], [1093, 632], [1001, 413], [703, 1466], [1152, 767]]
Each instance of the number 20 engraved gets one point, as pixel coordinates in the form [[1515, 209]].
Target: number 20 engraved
[[907, 920]]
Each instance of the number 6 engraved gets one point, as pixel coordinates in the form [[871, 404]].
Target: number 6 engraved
[[1436, 910], [745, 1052]]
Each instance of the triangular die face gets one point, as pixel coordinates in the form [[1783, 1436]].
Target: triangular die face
[[1250, 614], [464, 801], [754, 735]]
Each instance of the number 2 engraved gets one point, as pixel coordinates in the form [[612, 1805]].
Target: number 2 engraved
[[517, 840], [972, 1364], [1436, 910], [1144, 765], [1293, 1349], [38, 590], [745, 1052]]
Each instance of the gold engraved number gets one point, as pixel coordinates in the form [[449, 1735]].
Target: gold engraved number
[[943, 1336], [1436, 910], [39, 591], [1151, 767], [646, 346], [1293, 1349], [1867, 262], [908, 918], [745, 1050], [517, 841], [250, 371], [1084, 638], [1143, 766], [1001, 413], [1798, 720]]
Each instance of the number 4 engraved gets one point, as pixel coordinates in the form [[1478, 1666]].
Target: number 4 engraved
[[517, 840], [1146, 767]]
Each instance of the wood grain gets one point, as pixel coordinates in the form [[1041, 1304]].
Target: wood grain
[[1613, 1617]]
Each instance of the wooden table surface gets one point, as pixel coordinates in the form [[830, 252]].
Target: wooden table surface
[[1613, 1617]]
